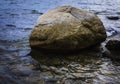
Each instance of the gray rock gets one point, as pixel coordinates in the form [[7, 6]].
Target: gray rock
[[65, 29], [113, 43], [113, 47], [113, 17]]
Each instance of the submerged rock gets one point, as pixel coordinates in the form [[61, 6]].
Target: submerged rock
[[65, 29], [113, 17], [113, 45]]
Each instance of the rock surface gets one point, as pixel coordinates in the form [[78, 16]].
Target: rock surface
[[113, 43], [113, 17], [67, 28], [113, 46]]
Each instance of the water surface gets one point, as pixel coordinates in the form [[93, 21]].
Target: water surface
[[17, 18]]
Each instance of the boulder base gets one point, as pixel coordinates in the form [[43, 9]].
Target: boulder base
[[65, 29]]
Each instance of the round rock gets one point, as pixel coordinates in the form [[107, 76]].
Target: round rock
[[113, 43], [65, 29]]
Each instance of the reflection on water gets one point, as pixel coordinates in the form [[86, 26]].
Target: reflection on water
[[17, 18], [65, 59], [78, 68]]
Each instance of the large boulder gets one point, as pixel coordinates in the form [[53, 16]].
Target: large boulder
[[65, 29]]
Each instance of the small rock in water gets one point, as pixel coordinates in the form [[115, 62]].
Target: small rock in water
[[112, 17], [36, 12], [113, 45], [10, 25]]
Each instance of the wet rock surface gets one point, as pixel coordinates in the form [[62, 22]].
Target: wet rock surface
[[113, 17], [113, 42], [113, 46], [17, 18], [65, 29]]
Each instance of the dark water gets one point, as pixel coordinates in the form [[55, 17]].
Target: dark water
[[17, 18]]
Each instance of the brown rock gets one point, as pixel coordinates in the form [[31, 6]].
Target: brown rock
[[65, 29]]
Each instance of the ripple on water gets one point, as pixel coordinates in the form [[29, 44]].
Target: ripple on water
[[17, 18], [83, 67]]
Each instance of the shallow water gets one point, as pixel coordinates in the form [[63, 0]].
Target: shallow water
[[17, 18]]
